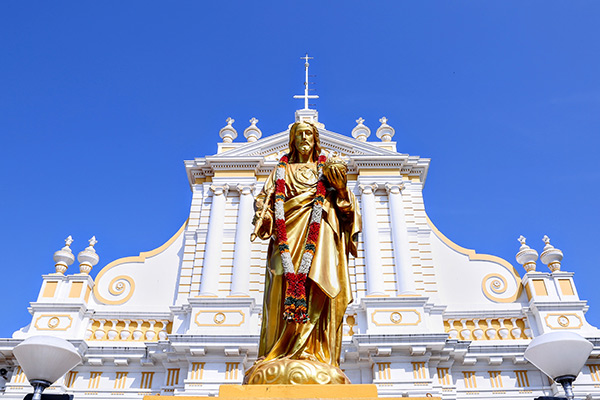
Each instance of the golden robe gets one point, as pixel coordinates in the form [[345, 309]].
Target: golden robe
[[328, 285]]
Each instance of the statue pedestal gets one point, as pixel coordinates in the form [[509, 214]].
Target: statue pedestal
[[306, 392], [338, 392], [298, 392]]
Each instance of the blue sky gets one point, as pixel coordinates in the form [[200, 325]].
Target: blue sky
[[100, 103]]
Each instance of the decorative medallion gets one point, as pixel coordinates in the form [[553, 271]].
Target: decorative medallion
[[53, 322], [563, 321], [396, 317], [219, 318]]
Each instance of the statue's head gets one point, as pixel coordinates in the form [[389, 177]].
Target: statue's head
[[304, 139]]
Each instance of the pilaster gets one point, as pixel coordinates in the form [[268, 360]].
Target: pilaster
[[373, 268], [214, 241], [240, 286], [404, 274]]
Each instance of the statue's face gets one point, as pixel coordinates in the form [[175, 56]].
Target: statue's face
[[304, 139]]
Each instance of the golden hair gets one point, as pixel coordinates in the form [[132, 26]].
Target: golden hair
[[293, 154]]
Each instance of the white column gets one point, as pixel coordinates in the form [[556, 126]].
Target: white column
[[240, 285], [214, 241], [373, 267], [404, 275]]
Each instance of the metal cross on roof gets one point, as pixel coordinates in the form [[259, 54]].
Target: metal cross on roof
[[306, 96]]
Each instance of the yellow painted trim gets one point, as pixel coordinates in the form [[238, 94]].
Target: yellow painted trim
[[379, 172], [75, 291], [399, 323], [50, 327], [70, 379], [233, 173], [226, 148], [497, 286], [218, 322], [559, 315], [140, 258], [539, 287], [566, 287], [88, 290], [473, 256], [116, 290], [50, 289]]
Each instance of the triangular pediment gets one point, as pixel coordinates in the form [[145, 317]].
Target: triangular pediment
[[274, 145], [261, 156]]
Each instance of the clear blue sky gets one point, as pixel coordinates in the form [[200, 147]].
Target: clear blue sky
[[100, 103]]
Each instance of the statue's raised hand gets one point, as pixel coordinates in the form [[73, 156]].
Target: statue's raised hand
[[336, 172]]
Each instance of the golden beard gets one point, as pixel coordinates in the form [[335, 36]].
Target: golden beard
[[304, 149]]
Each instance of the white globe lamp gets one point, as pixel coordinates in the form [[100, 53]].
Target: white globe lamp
[[560, 355], [44, 359]]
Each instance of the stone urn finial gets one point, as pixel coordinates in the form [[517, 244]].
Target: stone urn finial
[[228, 133], [64, 257], [551, 256], [252, 133], [361, 132], [88, 257], [385, 132], [526, 255]]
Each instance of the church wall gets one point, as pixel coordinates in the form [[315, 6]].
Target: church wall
[[144, 282], [459, 334], [457, 270], [195, 222], [424, 270]]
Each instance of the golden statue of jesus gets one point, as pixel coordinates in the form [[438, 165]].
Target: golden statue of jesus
[[312, 221]]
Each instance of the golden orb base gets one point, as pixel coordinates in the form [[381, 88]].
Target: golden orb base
[[287, 371]]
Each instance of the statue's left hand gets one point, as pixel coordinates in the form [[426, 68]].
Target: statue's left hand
[[336, 174]]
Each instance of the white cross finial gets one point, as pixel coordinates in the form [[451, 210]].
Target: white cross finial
[[68, 241], [360, 120], [306, 96], [383, 120], [306, 58], [230, 121], [253, 121], [521, 239]]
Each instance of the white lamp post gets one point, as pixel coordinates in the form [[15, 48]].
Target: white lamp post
[[44, 359], [560, 355]]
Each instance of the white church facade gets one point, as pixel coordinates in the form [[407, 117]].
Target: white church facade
[[429, 318]]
